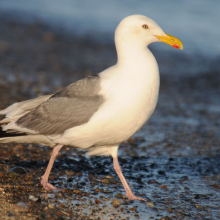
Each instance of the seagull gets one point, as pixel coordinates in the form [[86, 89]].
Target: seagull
[[99, 112]]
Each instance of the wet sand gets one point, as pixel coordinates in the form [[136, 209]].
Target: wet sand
[[173, 161]]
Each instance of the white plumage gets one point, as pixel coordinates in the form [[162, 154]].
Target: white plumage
[[117, 102]]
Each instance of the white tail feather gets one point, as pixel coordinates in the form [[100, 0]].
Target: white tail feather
[[35, 139]]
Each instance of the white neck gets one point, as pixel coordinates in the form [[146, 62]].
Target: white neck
[[135, 58]]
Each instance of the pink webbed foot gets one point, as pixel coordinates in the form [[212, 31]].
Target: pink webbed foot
[[48, 186], [133, 197]]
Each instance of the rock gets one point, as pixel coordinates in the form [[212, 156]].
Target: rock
[[103, 198], [2, 174], [98, 190], [80, 174], [77, 191], [150, 204], [105, 181], [110, 177], [169, 210], [120, 196], [91, 176], [71, 173], [133, 209], [165, 218], [116, 203], [23, 204], [33, 198], [200, 207], [97, 201], [50, 206], [216, 186], [153, 182], [17, 170]]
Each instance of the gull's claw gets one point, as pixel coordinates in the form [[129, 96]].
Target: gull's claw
[[133, 197], [48, 186]]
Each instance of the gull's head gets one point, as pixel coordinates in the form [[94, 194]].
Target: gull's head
[[142, 31]]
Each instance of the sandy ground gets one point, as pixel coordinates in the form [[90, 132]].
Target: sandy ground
[[173, 161]]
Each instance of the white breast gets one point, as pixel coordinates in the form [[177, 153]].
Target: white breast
[[131, 95]]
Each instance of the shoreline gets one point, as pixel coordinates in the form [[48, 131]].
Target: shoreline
[[173, 161]]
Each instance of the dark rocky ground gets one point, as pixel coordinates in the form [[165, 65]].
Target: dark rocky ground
[[173, 161]]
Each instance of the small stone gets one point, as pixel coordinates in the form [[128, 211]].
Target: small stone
[[120, 196], [105, 181], [77, 191], [200, 207], [80, 174], [153, 182], [71, 173], [110, 177], [18, 170], [165, 218], [91, 176], [98, 190], [216, 186], [33, 198], [116, 203], [23, 204], [169, 210], [163, 187], [61, 206], [97, 201], [50, 206], [103, 198], [150, 204], [133, 209]]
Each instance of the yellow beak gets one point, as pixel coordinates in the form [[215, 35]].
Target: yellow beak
[[173, 41]]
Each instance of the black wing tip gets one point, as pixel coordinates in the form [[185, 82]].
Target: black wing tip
[[9, 133]]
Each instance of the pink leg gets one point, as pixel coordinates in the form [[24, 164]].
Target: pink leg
[[129, 193], [44, 178]]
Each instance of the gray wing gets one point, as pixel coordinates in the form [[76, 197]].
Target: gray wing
[[72, 106]]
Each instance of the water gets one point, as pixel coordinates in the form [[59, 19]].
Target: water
[[196, 22]]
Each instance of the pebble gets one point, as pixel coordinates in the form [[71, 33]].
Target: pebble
[[98, 190], [23, 204], [110, 177], [107, 181], [200, 207], [116, 203], [50, 206], [165, 218], [153, 182], [77, 191], [133, 209], [120, 196], [71, 173], [150, 204], [17, 170], [97, 201], [33, 198], [216, 186], [169, 210]]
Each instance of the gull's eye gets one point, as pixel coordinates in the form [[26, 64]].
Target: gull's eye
[[144, 26]]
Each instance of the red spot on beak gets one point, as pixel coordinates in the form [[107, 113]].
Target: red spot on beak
[[176, 46]]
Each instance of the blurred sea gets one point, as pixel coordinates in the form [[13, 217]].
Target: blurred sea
[[195, 22]]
